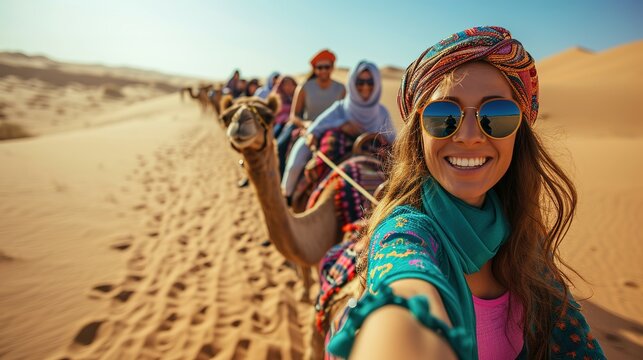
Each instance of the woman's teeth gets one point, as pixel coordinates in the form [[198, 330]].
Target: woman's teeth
[[467, 163]]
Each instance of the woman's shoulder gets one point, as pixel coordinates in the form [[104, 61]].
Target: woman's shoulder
[[409, 223], [308, 84], [404, 216], [337, 85], [403, 245]]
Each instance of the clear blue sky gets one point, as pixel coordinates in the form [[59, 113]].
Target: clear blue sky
[[210, 38]]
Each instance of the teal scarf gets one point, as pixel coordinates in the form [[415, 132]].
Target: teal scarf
[[470, 237], [472, 234]]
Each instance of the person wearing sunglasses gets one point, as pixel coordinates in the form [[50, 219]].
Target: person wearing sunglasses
[[319, 92], [461, 253], [360, 112], [311, 99]]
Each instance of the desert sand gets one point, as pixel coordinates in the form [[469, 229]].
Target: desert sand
[[123, 233]]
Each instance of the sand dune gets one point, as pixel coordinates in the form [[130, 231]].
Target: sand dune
[[43, 96], [123, 234], [593, 94]]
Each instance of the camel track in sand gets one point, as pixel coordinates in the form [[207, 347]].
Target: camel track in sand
[[199, 284]]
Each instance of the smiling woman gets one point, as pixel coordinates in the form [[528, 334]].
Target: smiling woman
[[459, 257], [468, 162]]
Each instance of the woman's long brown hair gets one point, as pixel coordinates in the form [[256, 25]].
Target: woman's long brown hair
[[539, 201]]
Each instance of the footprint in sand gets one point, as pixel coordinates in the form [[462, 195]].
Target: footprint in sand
[[87, 334], [631, 284], [207, 352], [241, 350], [6, 258], [124, 295], [177, 289], [123, 243], [103, 288], [200, 316], [183, 240]]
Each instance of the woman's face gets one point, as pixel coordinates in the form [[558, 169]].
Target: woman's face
[[475, 83], [323, 69], [288, 87], [365, 84], [252, 87], [241, 85]]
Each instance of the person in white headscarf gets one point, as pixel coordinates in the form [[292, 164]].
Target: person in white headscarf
[[360, 112], [265, 90]]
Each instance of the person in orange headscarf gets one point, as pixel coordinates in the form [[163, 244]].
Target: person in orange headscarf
[[311, 99], [318, 92]]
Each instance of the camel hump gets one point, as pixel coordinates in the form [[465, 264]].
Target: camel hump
[[368, 143]]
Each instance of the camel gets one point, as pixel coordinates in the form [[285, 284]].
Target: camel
[[302, 238], [214, 97], [203, 96]]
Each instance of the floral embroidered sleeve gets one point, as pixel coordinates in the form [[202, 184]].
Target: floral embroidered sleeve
[[403, 247]]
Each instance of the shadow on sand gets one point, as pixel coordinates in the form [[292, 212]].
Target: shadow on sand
[[620, 338]]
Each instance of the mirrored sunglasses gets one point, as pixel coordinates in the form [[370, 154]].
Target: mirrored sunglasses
[[497, 118]]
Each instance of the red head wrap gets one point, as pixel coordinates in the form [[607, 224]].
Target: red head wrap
[[325, 54]]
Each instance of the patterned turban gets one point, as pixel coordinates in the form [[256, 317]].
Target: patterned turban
[[492, 44]]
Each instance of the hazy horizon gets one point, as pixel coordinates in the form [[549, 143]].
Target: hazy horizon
[[210, 39]]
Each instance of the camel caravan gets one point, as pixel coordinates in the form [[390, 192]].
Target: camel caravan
[[323, 235], [317, 226], [208, 96]]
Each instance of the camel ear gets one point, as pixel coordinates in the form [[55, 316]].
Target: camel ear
[[226, 102], [273, 103]]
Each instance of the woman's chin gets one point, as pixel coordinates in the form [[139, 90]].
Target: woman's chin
[[472, 194]]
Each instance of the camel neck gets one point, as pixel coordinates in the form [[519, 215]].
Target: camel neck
[[264, 175], [303, 238]]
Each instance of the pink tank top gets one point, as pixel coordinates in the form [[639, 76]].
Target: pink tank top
[[498, 333]]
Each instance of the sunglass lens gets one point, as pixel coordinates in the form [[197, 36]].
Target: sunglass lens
[[441, 118], [499, 118], [362, 82]]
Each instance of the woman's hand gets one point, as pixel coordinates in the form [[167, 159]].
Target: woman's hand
[[392, 332], [311, 142], [351, 128], [296, 120]]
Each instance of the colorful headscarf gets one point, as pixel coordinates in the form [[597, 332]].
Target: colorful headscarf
[[492, 44], [323, 55]]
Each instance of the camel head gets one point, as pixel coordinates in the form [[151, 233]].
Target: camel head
[[249, 121]]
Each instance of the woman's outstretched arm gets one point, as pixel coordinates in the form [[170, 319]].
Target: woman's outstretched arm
[[392, 332]]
